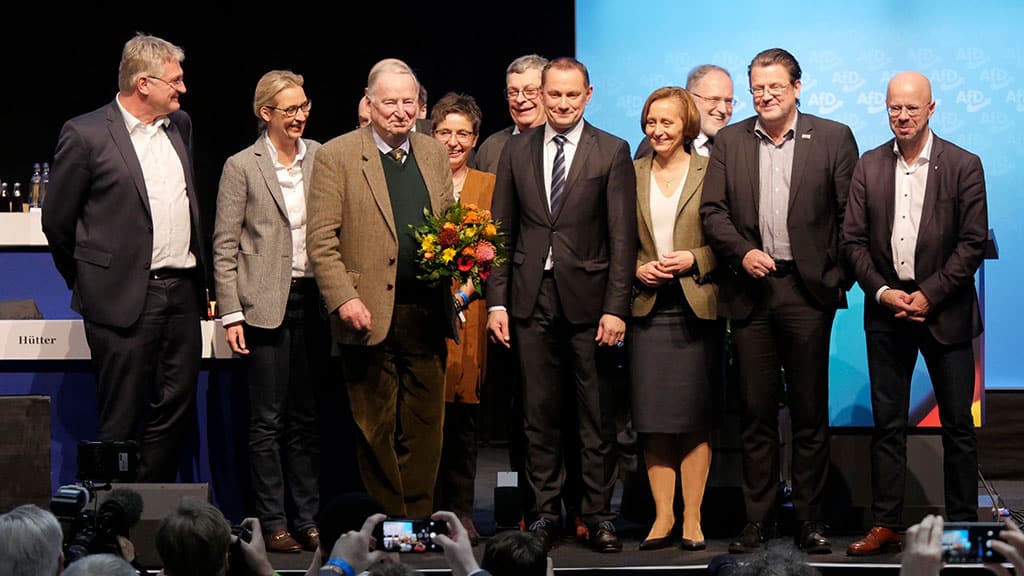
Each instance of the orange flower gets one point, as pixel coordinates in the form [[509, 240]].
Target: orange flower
[[449, 226], [428, 255], [490, 230], [471, 217], [469, 251]]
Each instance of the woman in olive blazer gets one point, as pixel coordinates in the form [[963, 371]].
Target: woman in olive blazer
[[673, 338]]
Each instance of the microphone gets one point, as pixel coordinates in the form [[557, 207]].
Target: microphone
[[121, 511]]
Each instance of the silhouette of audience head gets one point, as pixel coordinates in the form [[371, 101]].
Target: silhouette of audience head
[[514, 553], [32, 541], [346, 512], [193, 540], [100, 565]]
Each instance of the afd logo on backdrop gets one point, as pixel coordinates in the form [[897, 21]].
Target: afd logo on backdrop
[[995, 121], [873, 102], [826, 102], [848, 80], [1016, 97], [874, 59], [631, 105], [997, 78], [923, 58], [825, 59], [973, 100], [946, 122], [972, 57], [946, 79]]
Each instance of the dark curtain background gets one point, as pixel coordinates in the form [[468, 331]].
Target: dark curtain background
[[62, 62]]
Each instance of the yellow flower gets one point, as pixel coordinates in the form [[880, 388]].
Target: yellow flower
[[429, 243], [447, 255], [469, 231]]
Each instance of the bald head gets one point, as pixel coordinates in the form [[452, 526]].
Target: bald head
[[911, 82], [910, 105]]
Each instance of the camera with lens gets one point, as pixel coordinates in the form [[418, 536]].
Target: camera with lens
[[89, 526]]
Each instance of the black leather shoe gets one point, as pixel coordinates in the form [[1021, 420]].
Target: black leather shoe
[[603, 538], [656, 543], [546, 530], [693, 545], [812, 538], [750, 540]]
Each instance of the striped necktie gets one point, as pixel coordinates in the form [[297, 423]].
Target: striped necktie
[[558, 173]]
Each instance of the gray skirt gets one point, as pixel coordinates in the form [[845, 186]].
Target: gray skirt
[[669, 356]]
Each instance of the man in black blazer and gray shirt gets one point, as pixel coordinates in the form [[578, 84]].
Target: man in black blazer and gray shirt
[[772, 211], [122, 221]]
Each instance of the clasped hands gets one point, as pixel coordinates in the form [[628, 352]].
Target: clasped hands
[[657, 272], [913, 307]]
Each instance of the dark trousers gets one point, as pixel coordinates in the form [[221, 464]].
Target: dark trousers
[[285, 365], [456, 481], [146, 374], [553, 354], [785, 329], [397, 393], [891, 359]]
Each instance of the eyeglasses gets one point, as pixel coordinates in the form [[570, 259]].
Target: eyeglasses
[[444, 135], [177, 85], [774, 90], [729, 102], [291, 111], [912, 110], [529, 92]]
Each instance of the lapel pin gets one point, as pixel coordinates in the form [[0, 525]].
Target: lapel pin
[[805, 136]]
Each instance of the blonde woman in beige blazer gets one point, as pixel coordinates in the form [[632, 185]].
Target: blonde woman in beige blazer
[[270, 308], [674, 336]]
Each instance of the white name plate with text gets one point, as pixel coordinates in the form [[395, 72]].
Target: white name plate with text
[[65, 340]]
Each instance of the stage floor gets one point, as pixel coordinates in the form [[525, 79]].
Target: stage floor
[[579, 559]]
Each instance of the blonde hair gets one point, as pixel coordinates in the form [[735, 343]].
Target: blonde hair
[[268, 87]]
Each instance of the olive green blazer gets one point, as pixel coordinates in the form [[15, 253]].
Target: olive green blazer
[[701, 293]]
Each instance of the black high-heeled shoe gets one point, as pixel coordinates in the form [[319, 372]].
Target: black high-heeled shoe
[[656, 543], [693, 545]]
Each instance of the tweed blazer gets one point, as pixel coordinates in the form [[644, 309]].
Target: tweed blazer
[[252, 238], [700, 292], [350, 232]]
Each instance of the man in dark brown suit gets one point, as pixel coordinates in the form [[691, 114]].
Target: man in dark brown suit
[[772, 210], [914, 235]]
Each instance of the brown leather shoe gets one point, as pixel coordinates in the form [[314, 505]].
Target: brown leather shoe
[[309, 539], [281, 541], [877, 541]]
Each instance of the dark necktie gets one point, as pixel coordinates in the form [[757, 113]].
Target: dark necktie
[[558, 173], [397, 154]]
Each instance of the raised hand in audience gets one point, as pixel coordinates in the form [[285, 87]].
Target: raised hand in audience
[[458, 550], [1011, 545], [922, 548]]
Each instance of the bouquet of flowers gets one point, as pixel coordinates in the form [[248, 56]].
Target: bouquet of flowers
[[461, 243]]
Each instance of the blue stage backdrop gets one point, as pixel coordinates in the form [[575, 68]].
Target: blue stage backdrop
[[848, 51]]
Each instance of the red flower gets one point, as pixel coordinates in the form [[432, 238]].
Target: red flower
[[484, 273], [485, 251], [448, 237], [466, 263]]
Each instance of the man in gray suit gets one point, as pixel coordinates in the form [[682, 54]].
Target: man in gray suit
[[122, 221], [270, 308], [368, 187], [522, 91]]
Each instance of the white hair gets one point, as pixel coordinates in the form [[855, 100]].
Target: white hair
[[32, 541], [100, 565]]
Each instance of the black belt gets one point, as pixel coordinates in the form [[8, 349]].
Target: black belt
[[303, 283], [167, 273], [783, 268]]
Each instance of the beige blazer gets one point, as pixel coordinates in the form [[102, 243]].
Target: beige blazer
[[700, 292], [252, 238], [350, 233]]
